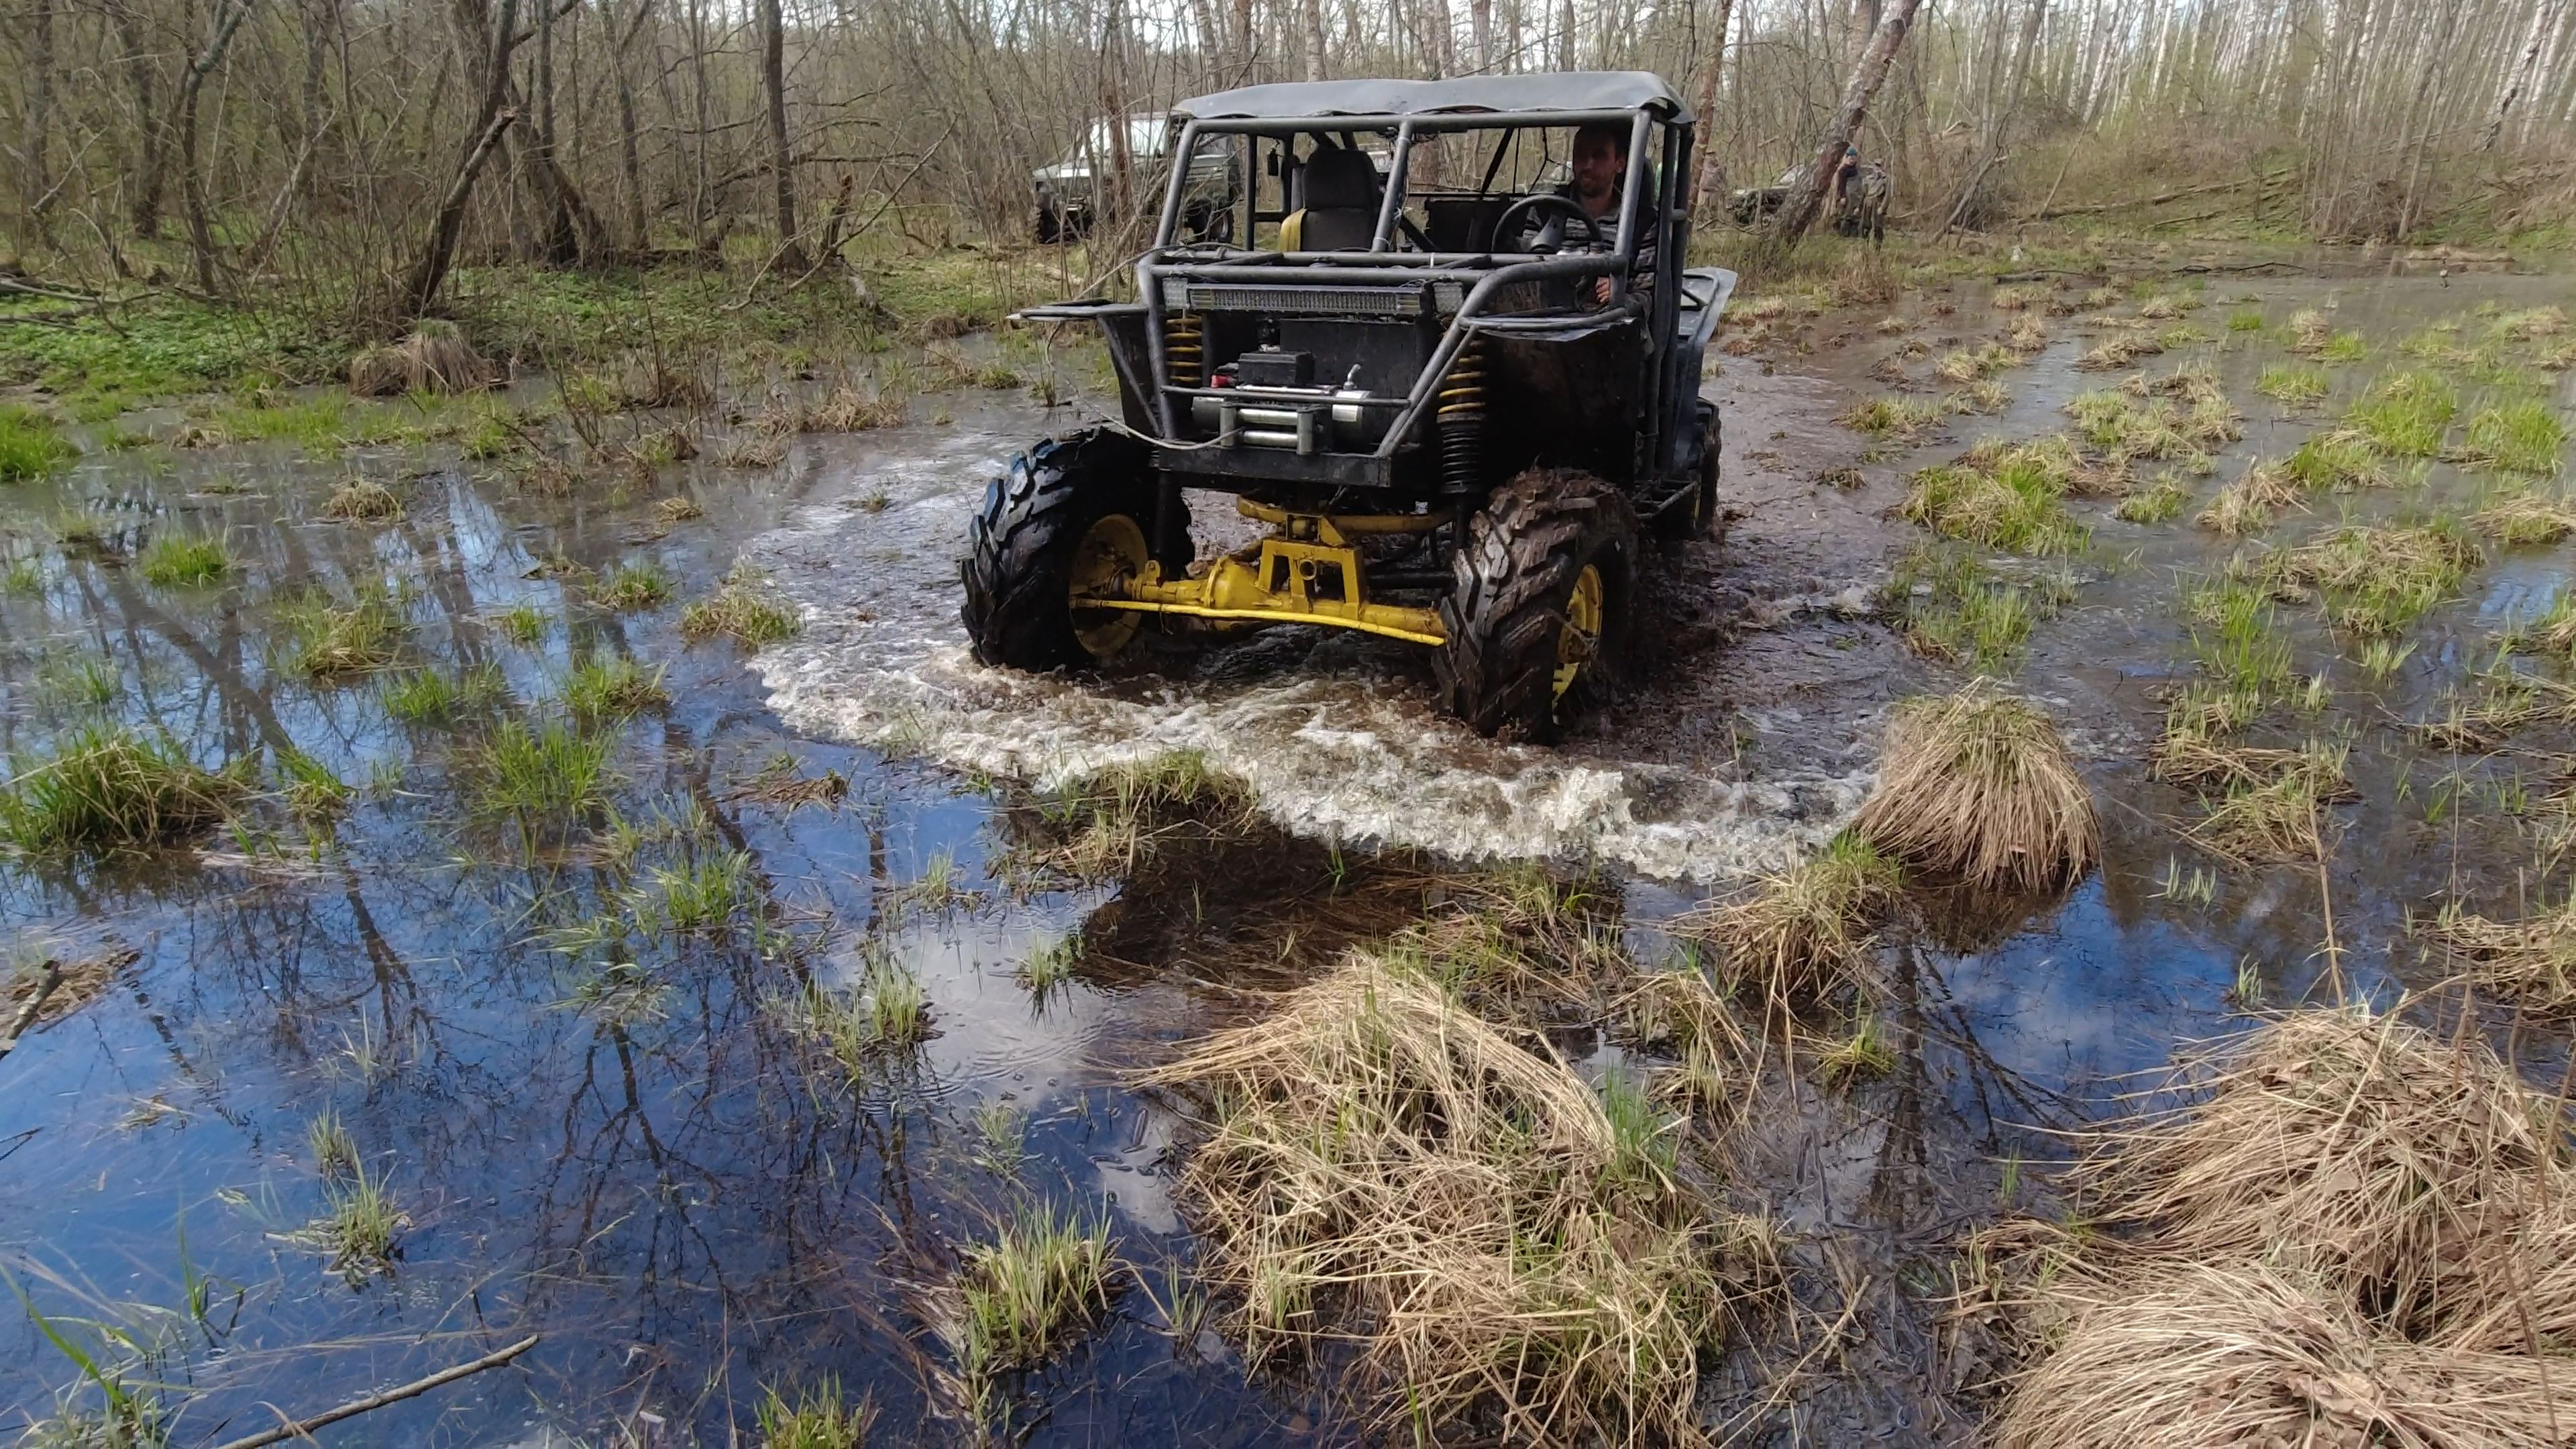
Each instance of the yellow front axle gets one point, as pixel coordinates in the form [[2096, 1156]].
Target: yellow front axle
[[1305, 571]]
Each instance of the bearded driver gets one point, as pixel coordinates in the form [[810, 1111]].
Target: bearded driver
[[1598, 182]]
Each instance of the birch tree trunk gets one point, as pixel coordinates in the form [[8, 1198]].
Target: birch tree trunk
[[1313, 12], [2521, 76]]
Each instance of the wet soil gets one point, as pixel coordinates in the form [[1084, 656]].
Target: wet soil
[[606, 1136]]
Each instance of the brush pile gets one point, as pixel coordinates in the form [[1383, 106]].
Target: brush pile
[[1978, 786], [1507, 1249], [2355, 1234], [434, 358]]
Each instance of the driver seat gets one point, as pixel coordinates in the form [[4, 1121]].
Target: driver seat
[[1340, 190]]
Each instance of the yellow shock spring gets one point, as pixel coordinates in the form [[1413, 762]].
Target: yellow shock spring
[[1462, 392], [1184, 349]]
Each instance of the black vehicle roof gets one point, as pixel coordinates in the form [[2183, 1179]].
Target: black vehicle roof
[[1593, 90]]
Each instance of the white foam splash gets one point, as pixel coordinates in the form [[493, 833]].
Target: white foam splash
[[1352, 756]]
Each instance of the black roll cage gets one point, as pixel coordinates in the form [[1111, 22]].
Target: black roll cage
[[1383, 266]]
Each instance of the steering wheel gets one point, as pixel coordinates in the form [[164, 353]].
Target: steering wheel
[[1547, 201]]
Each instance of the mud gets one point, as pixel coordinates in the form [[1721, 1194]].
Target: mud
[[688, 1204]]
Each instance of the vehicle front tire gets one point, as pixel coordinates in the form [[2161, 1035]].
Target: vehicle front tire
[[1537, 611], [1050, 226], [1070, 511]]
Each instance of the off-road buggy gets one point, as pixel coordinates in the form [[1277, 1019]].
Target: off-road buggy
[[1415, 384]]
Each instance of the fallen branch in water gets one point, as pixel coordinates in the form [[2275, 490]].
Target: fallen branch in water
[[34, 1003], [298, 1430]]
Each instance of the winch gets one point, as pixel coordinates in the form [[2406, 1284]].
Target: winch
[[1274, 402]]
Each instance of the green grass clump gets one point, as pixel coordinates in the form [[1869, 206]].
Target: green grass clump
[[525, 625], [426, 696], [312, 791], [1954, 608], [185, 563], [1041, 1277], [31, 446], [2344, 347], [2248, 319], [2516, 437], [1050, 965], [628, 587], [819, 1419], [612, 688], [325, 641], [709, 892], [2292, 384], [104, 789], [888, 1014], [2018, 507], [744, 611], [549, 773], [1890, 417], [2164, 499], [82, 682], [2405, 414], [1863, 1055], [362, 1227], [2236, 634], [24, 578], [335, 1152]]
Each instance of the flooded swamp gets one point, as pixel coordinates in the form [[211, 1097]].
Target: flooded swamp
[[623, 913]]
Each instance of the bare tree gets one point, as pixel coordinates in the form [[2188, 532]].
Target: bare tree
[[192, 82], [439, 253], [1798, 211], [782, 161], [1711, 178]]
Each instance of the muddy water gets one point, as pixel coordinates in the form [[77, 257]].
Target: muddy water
[[687, 1204]]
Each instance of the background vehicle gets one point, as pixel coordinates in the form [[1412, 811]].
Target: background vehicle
[[1411, 383], [1069, 192]]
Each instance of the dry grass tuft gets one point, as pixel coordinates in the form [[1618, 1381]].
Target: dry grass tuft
[[2531, 960], [2525, 519], [2253, 501], [2248, 1355], [848, 408], [1806, 932], [434, 358], [2394, 1165], [2117, 353], [1978, 785], [2275, 801], [359, 501], [1495, 1237], [2309, 331], [2375, 579], [752, 451], [650, 382], [2354, 1232]]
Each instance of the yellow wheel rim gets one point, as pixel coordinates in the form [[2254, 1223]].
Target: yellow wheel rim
[[1581, 632], [1111, 554]]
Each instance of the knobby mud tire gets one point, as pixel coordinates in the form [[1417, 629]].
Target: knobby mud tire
[[1510, 586], [1020, 546], [1699, 518]]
